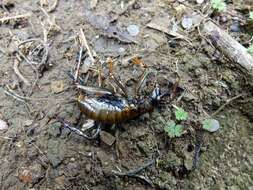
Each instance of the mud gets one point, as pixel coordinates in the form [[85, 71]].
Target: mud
[[36, 152]]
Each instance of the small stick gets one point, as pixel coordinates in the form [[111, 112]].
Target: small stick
[[135, 171], [165, 30], [6, 138], [16, 70], [85, 44], [53, 7], [19, 97], [79, 63], [227, 102], [230, 47], [2, 20]]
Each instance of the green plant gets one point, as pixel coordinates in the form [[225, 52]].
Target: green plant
[[173, 130], [250, 49], [251, 15], [218, 5], [180, 114]]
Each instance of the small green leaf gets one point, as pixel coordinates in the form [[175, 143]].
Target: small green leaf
[[250, 49], [181, 114], [173, 130], [251, 15], [218, 5]]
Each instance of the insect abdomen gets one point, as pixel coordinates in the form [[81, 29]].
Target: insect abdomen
[[107, 111]]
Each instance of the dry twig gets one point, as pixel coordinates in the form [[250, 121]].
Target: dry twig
[[85, 44], [16, 70], [227, 102], [23, 16]]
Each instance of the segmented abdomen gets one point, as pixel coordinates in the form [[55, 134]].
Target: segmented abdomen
[[108, 110]]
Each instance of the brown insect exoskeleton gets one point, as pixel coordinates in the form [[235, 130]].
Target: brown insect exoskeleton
[[104, 106]]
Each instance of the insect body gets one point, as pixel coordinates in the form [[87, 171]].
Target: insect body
[[104, 106], [110, 108]]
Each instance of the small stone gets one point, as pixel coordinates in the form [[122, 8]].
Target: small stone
[[200, 1], [235, 27], [57, 86], [211, 125], [133, 30], [187, 22], [88, 124], [107, 138], [28, 122], [223, 18], [121, 50], [3, 125]]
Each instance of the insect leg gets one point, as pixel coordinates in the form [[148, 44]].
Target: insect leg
[[79, 132], [94, 90], [141, 81], [113, 77]]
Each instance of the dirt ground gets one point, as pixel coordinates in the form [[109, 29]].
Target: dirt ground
[[37, 152]]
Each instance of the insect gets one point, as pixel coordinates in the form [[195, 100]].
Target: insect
[[109, 107]]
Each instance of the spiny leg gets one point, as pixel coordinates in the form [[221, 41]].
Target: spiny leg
[[137, 61], [116, 80], [81, 133], [142, 79]]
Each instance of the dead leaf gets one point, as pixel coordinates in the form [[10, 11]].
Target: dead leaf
[[165, 30]]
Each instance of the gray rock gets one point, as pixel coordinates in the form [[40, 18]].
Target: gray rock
[[211, 125], [107, 138], [3, 125], [133, 30], [187, 22]]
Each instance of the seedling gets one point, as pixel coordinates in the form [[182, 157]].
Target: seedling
[[173, 130], [180, 114], [218, 5]]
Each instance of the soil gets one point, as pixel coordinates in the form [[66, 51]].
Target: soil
[[37, 152]]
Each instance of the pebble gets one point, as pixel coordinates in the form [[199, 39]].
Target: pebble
[[235, 27], [57, 86], [107, 138], [121, 50], [200, 1], [133, 30], [3, 125], [186, 23], [213, 124]]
